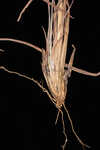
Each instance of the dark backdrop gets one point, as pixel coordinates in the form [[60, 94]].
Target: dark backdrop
[[27, 115]]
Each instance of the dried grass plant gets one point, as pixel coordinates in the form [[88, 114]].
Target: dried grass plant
[[54, 67]]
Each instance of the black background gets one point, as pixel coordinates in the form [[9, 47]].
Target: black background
[[27, 115]]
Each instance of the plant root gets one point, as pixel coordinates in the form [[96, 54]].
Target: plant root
[[77, 137], [84, 72], [64, 132], [53, 100], [60, 111], [22, 42], [31, 79]]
